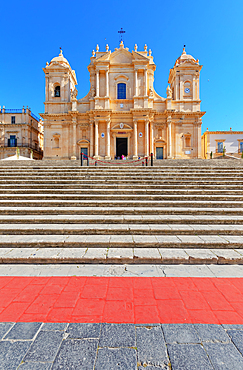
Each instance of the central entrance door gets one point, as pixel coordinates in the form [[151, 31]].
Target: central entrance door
[[159, 153], [121, 146]]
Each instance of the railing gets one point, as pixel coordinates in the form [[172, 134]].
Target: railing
[[12, 110], [22, 145]]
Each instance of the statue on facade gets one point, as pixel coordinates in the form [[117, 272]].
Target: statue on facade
[[169, 92], [93, 93], [74, 94], [151, 93]]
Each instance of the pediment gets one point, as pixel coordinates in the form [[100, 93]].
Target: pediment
[[121, 56], [121, 126], [160, 140], [83, 141]]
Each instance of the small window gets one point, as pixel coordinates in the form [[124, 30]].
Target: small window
[[121, 91], [57, 92], [241, 146], [12, 119], [220, 147]]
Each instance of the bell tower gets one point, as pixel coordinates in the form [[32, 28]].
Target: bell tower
[[184, 81], [59, 85]]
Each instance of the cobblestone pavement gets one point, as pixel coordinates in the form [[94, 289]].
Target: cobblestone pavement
[[39, 346]]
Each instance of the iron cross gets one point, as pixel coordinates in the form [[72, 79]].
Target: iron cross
[[121, 32]]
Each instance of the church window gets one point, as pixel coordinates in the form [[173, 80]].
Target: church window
[[220, 147], [241, 146], [187, 141], [57, 91], [12, 119], [121, 91], [56, 142]]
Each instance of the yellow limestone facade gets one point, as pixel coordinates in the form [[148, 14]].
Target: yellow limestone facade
[[122, 113]]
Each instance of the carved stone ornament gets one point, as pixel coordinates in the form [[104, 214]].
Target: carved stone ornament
[[151, 93]]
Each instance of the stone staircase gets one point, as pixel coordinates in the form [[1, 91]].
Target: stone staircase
[[176, 212]]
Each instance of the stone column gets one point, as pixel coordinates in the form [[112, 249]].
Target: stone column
[[135, 139], [136, 82], [146, 82], [91, 150], [199, 154], [97, 83], [193, 89], [74, 121], [96, 139], [107, 83], [151, 137], [169, 138], [128, 145], [108, 139], [177, 88], [147, 137]]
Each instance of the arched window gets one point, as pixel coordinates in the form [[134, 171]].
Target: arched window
[[57, 91], [121, 91]]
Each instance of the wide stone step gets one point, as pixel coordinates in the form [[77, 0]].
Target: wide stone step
[[122, 219], [119, 229], [116, 187], [11, 197], [120, 256], [145, 204], [147, 176], [129, 183], [102, 210], [62, 192], [126, 241]]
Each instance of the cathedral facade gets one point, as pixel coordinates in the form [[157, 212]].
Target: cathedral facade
[[122, 114]]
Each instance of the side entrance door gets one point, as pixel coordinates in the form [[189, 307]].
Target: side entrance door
[[85, 151], [159, 153]]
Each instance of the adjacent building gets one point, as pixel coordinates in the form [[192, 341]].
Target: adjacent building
[[122, 113], [20, 128], [215, 143]]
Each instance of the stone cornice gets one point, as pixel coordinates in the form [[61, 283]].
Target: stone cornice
[[223, 132]]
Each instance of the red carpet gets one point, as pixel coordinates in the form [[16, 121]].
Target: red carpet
[[122, 299]]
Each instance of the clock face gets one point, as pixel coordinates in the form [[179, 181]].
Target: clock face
[[187, 90]]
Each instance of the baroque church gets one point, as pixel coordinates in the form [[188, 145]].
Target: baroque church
[[122, 114]]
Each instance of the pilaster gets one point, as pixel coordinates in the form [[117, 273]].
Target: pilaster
[[135, 139], [108, 139], [96, 156], [169, 155]]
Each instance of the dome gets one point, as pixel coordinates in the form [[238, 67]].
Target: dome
[[60, 59], [184, 56]]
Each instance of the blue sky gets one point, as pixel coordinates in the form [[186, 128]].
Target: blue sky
[[33, 31]]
